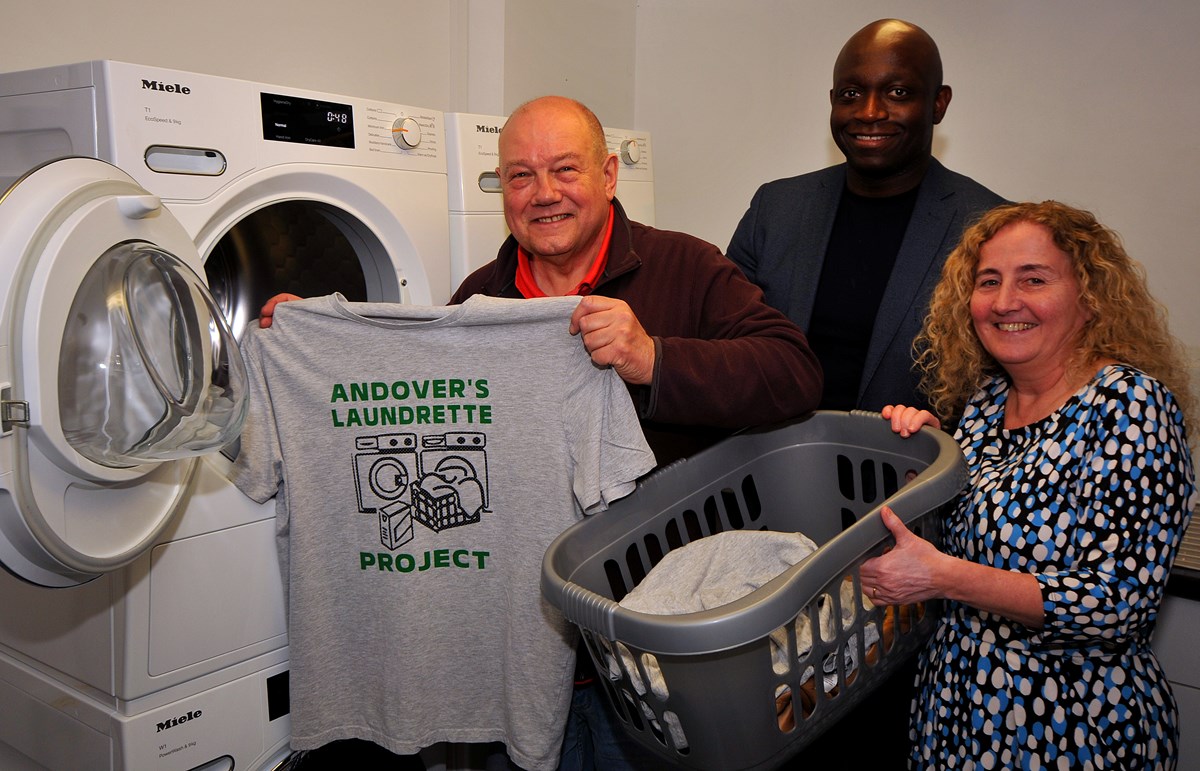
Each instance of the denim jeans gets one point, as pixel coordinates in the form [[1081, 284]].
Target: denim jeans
[[596, 741]]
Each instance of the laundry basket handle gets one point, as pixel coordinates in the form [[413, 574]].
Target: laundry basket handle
[[588, 609]]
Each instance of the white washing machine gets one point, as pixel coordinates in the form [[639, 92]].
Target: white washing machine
[[477, 226], [143, 624], [635, 175]]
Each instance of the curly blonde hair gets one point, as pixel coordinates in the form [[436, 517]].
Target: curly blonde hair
[[1127, 324]]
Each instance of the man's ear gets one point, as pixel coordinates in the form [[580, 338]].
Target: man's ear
[[941, 101], [610, 176]]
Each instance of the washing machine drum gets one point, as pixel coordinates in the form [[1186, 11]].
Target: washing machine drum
[[117, 369]]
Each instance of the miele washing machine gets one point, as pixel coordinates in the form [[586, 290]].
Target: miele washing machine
[[477, 226], [148, 215], [635, 174]]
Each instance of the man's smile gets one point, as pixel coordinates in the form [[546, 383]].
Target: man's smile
[[552, 218]]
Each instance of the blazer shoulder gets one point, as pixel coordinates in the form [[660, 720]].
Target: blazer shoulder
[[813, 179], [787, 191], [950, 182]]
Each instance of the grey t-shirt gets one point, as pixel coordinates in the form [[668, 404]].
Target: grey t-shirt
[[423, 458]]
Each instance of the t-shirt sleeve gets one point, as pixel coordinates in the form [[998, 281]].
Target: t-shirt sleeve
[[608, 450], [1134, 494], [257, 472]]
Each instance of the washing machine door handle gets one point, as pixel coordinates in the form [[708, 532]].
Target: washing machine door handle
[[139, 206]]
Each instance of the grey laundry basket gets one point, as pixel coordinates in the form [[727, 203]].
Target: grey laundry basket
[[703, 689]]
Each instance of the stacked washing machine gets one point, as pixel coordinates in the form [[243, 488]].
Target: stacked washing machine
[[635, 177], [477, 225], [148, 215]]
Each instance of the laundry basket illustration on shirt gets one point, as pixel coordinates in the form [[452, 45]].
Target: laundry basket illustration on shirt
[[453, 488], [748, 684]]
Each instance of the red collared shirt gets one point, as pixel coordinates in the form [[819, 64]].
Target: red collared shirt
[[528, 287]]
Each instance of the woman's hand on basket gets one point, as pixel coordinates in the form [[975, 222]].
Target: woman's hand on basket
[[914, 571], [908, 572], [907, 421]]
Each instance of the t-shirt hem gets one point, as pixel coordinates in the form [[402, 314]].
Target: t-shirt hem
[[463, 736]]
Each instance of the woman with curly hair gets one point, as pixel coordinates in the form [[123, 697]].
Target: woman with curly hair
[[1070, 396]]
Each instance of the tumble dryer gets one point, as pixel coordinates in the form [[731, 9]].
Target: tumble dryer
[[477, 225], [143, 624]]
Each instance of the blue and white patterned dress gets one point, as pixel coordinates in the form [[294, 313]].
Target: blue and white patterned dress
[[1092, 500]]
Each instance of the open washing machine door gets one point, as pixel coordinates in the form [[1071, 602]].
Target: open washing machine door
[[116, 367]]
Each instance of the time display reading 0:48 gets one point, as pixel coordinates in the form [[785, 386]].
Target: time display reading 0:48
[[307, 121]]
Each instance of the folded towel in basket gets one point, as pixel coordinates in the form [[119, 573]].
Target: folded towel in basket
[[725, 567]]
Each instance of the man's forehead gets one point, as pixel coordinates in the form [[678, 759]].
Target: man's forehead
[[539, 156], [907, 55], [899, 73]]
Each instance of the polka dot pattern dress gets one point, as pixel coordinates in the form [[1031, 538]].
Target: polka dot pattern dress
[[1092, 500]]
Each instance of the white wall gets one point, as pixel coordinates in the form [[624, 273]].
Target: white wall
[[581, 48], [390, 51], [483, 56], [1093, 102]]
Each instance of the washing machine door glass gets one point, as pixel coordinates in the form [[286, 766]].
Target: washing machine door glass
[[148, 368]]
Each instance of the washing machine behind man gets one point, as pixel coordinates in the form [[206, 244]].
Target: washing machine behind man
[[635, 172], [477, 226], [164, 646]]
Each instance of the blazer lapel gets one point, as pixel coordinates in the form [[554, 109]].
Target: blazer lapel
[[811, 234], [919, 253]]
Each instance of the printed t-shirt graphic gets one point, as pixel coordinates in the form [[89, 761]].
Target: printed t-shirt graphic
[[422, 460]]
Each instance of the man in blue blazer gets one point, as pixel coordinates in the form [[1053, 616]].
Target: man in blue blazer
[[851, 253]]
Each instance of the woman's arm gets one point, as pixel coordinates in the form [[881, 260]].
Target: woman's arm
[[915, 571]]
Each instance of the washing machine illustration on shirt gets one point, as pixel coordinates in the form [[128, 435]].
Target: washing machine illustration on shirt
[[385, 468], [453, 488]]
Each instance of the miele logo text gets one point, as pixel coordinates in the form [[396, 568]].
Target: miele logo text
[[482, 129], [192, 715], [174, 88]]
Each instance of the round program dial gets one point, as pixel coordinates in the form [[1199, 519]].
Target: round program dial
[[631, 152], [406, 133]]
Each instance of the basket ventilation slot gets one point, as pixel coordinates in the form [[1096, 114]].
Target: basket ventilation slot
[[730, 509], [862, 485]]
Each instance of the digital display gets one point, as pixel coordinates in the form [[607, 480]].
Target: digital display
[[307, 121]]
